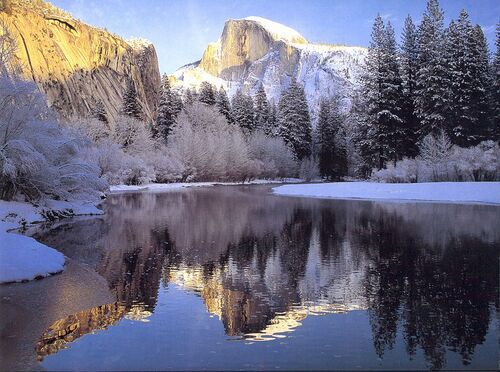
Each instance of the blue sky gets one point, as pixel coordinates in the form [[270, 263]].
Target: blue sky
[[181, 29]]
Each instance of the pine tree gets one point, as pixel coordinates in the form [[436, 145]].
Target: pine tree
[[467, 56], [167, 110], [261, 109], [382, 88], [481, 129], [222, 103], [495, 89], [409, 68], [293, 120], [242, 111], [131, 105], [325, 140], [391, 126], [331, 143], [271, 128], [99, 112], [189, 97], [432, 79], [207, 93]]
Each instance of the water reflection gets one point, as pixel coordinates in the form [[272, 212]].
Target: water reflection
[[262, 264]]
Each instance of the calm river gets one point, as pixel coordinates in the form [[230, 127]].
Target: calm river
[[233, 277]]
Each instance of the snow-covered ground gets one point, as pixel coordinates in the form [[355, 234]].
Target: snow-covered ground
[[161, 187], [449, 192], [23, 258]]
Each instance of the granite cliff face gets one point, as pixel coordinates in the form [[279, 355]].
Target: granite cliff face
[[75, 64], [255, 50]]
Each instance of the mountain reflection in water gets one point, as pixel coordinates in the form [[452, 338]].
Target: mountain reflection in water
[[263, 263]]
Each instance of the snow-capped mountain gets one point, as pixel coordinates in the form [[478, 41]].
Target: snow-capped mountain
[[255, 50]]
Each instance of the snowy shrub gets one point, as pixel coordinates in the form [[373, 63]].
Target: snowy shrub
[[436, 152], [309, 169], [273, 157], [38, 158], [405, 171], [439, 161], [209, 148], [92, 128], [167, 166], [478, 163], [133, 136]]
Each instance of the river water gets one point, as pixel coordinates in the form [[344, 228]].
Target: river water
[[233, 277]]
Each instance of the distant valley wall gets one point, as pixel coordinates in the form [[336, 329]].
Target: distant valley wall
[[75, 64]]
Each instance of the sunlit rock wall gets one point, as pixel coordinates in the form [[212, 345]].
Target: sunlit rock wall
[[75, 64]]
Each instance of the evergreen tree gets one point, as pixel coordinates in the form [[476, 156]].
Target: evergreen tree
[[370, 148], [271, 128], [495, 90], [382, 88], [189, 96], [168, 108], [467, 56], [242, 111], [99, 112], [480, 128], [325, 139], [207, 93], [432, 78], [331, 145], [409, 68], [261, 109], [293, 120], [391, 127], [222, 103], [131, 105]]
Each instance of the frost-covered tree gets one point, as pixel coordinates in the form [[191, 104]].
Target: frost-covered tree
[[39, 158], [271, 128], [132, 135], [293, 120], [467, 57], [383, 134], [495, 90], [223, 104], [131, 106], [207, 93], [308, 168], [332, 158], [167, 110], [409, 68], [99, 112], [273, 158], [261, 109], [208, 147], [432, 76], [242, 111], [190, 96]]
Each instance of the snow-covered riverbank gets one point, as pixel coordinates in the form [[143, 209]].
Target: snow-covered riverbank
[[23, 258], [449, 192], [161, 187]]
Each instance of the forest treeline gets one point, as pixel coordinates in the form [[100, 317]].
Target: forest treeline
[[427, 109]]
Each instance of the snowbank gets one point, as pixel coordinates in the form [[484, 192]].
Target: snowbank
[[23, 258], [450, 192], [160, 187]]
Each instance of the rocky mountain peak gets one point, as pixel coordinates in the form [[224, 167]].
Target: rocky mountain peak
[[254, 51]]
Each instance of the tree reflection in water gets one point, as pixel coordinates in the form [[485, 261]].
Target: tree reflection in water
[[263, 263]]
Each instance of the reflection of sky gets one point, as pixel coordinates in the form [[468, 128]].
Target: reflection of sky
[[181, 334], [181, 29]]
